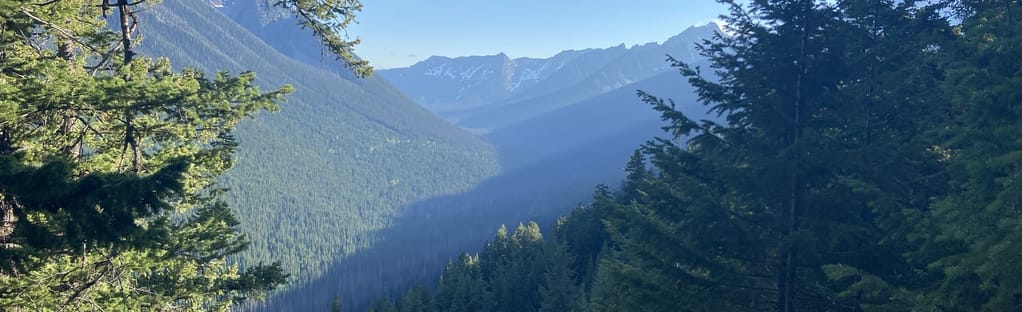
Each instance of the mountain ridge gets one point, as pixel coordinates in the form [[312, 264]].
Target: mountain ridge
[[437, 82]]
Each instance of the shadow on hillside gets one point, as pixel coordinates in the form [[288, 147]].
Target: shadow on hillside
[[417, 245]]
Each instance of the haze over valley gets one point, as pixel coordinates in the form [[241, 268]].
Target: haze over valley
[[408, 178], [792, 155]]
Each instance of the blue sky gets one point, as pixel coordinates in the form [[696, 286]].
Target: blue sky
[[398, 33]]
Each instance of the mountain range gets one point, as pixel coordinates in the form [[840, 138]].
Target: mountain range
[[533, 108], [483, 93]]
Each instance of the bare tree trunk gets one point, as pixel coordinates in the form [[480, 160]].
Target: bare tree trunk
[[128, 21]]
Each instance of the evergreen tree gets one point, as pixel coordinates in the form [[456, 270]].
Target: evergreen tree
[[583, 235], [558, 291], [495, 251], [636, 173], [461, 287], [383, 305], [978, 221], [868, 161], [337, 305], [751, 213], [416, 299], [108, 166]]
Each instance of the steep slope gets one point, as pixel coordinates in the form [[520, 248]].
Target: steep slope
[[314, 181], [611, 119], [435, 231], [550, 164]]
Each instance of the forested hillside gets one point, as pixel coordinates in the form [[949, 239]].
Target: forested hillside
[[613, 120], [868, 161], [315, 181], [801, 155]]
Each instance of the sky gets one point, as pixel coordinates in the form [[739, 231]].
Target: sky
[[398, 33]]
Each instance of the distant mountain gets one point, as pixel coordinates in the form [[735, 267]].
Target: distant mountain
[[314, 181], [488, 92], [444, 84]]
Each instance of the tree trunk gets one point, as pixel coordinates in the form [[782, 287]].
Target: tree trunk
[[789, 277]]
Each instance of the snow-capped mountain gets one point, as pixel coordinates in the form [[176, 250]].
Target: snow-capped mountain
[[448, 85]]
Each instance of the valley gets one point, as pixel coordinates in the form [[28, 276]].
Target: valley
[[415, 180], [315, 180], [235, 155]]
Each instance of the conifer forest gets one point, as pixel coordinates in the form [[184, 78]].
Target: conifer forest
[[248, 155]]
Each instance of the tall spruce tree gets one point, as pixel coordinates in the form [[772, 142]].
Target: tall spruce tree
[[558, 292], [416, 299], [819, 151], [868, 162], [461, 287]]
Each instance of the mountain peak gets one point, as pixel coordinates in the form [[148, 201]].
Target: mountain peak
[[435, 58], [694, 34]]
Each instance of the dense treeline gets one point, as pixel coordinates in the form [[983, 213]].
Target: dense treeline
[[518, 271], [429, 233], [869, 160]]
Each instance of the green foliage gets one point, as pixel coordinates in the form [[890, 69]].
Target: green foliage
[[328, 20], [461, 287], [869, 161], [980, 215], [416, 300], [109, 163], [520, 272], [107, 172], [383, 305], [559, 292], [314, 182]]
